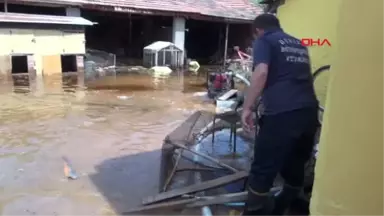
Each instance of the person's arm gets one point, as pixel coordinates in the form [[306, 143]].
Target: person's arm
[[243, 54], [261, 61]]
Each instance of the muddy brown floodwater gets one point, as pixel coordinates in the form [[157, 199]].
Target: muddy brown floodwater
[[111, 130]]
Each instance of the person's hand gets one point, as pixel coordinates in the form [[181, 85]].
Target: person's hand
[[247, 121]]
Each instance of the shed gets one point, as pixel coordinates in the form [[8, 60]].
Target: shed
[[162, 53]]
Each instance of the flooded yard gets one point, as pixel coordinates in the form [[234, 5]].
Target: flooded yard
[[111, 129]]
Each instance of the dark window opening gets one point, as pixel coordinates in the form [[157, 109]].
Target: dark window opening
[[68, 63], [19, 64]]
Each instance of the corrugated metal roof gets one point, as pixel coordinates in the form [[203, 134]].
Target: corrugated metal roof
[[57, 2], [229, 9], [159, 45], [43, 19]]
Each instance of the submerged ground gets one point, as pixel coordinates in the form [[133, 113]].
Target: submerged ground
[[111, 129]]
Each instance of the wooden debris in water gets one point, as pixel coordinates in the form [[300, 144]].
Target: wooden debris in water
[[191, 201], [178, 204], [215, 183], [170, 177], [160, 70]]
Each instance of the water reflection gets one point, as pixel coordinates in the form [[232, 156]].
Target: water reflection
[[44, 118]]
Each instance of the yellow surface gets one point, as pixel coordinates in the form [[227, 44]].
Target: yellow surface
[[51, 64], [313, 19], [41, 43], [5, 65], [349, 171]]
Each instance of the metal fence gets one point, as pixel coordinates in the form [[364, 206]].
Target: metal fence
[[99, 63]]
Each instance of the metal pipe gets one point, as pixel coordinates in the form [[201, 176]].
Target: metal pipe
[[242, 78], [226, 44]]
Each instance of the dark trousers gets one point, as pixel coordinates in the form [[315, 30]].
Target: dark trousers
[[284, 144]]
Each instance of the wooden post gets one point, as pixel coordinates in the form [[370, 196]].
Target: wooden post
[[5, 6], [226, 44], [130, 36]]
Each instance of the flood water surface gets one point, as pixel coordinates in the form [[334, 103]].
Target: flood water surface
[[110, 129]]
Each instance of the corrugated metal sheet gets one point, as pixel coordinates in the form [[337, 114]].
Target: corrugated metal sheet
[[230, 9], [44, 19], [57, 2]]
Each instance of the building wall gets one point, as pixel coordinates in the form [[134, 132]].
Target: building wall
[[349, 170], [42, 44], [312, 19]]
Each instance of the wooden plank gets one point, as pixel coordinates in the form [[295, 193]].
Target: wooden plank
[[178, 204], [228, 94], [170, 177], [196, 187]]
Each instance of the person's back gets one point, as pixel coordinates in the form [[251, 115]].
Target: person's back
[[289, 84], [282, 77]]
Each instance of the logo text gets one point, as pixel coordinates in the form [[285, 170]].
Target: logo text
[[315, 42]]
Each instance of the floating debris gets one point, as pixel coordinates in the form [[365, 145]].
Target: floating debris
[[88, 123], [200, 94], [161, 70], [69, 172], [123, 97]]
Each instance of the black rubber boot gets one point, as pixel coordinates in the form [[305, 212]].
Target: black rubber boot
[[284, 199], [258, 205]]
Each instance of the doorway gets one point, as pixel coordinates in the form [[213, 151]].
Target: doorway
[[68, 63], [19, 64]]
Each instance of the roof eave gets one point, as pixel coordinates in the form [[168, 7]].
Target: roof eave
[[189, 15], [57, 3], [134, 10], [43, 19]]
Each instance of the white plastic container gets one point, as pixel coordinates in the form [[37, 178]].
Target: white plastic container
[[225, 105]]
